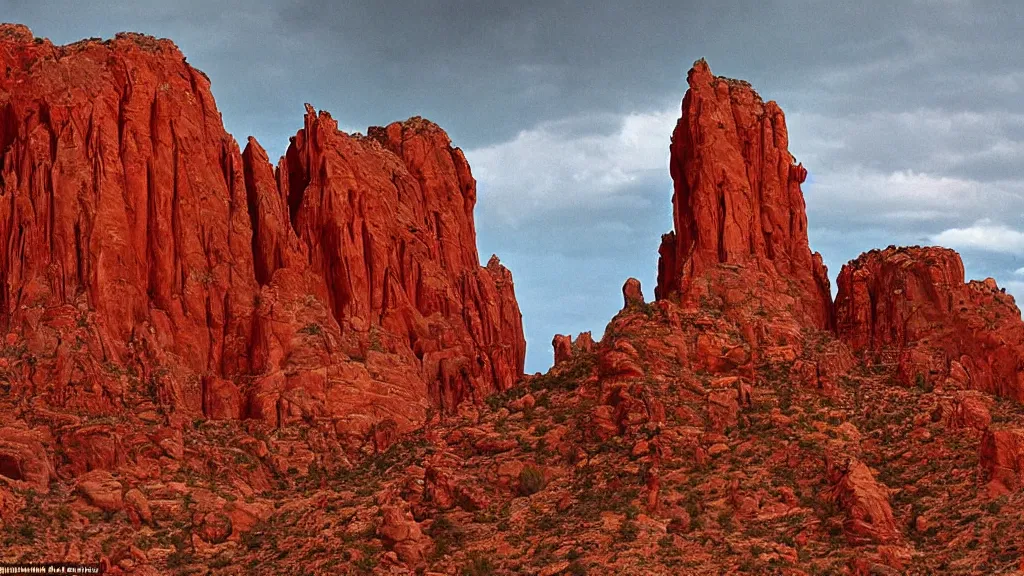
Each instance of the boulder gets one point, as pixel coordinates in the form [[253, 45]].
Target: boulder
[[869, 517], [1001, 456], [402, 534], [102, 490]]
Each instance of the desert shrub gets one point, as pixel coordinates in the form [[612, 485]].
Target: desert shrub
[[531, 480], [477, 565], [312, 329], [629, 530]]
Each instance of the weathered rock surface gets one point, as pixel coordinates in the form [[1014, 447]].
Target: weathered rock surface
[[1002, 459], [24, 458], [866, 502], [102, 490], [401, 533], [737, 206], [253, 418], [910, 308], [148, 259], [566, 348]]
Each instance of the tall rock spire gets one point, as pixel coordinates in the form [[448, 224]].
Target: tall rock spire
[[737, 200]]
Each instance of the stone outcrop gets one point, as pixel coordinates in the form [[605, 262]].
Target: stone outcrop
[[402, 534], [566, 348], [23, 457], [910, 308], [102, 490], [869, 516], [123, 215], [147, 256], [1001, 456], [966, 409], [737, 205]]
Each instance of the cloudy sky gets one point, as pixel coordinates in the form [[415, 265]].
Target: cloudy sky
[[907, 114]]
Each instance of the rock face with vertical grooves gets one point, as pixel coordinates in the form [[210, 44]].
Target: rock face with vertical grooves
[[910, 307], [147, 259], [737, 205], [208, 361]]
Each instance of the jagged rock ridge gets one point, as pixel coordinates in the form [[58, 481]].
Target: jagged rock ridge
[[345, 285], [910, 308]]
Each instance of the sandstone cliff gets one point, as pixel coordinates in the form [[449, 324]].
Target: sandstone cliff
[[147, 259], [737, 206], [911, 309]]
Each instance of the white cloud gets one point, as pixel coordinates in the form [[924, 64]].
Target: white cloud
[[556, 165], [983, 235], [1019, 272], [964, 144], [1016, 289], [861, 196], [912, 171], [910, 175]]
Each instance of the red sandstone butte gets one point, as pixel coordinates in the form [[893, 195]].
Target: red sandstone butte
[[142, 245], [912, 308], [737, 205]]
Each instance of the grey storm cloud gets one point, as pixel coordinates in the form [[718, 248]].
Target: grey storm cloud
[[907, 114]]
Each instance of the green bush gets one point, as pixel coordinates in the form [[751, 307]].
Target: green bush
[[312, 329]]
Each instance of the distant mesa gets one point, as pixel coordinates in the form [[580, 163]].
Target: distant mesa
[[911, 307]]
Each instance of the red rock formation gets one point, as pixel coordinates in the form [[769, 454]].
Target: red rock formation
[[402, 534], [632, 293], [122, 195], [387, 222], [966, 409], [23, 458], [101, 490], [1001, 456], [562, 344], [737, 203], [143, 247], [869, 517], [566, 348], [912, 309]]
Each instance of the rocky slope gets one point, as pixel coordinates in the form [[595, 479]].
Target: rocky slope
[[737, 424]]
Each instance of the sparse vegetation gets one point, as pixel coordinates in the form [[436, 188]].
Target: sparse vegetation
[[531, 480]]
